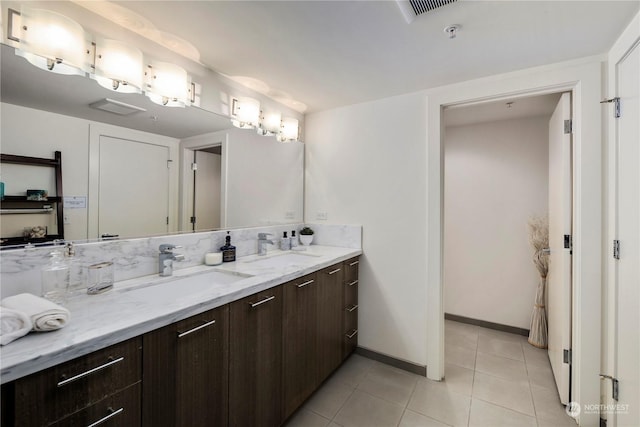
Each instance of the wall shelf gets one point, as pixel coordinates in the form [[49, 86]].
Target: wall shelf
[[21, 205]]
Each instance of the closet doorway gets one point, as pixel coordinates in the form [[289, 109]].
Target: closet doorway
[[505, 162]]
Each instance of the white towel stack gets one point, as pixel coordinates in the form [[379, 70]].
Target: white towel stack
[[13, 325], [25, 312]]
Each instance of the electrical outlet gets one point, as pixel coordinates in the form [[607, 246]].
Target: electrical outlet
[[321, 216]]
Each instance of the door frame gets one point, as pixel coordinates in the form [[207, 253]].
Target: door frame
[[621, 48], [583, 79], [187, 148]]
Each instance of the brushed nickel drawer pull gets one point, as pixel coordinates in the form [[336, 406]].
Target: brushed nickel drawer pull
[[111, 415], [308, 282], [352, 334], [354, 263], [89, 372], [197, 328], [255, 304], [353, 283], [334, 271], [353, 307]]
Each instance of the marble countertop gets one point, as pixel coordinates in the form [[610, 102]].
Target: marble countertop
[[137, 306]]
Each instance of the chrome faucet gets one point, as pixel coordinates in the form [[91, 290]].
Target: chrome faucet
[[262, 243], [165, 261]]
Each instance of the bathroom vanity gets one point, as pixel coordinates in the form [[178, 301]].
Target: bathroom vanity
[[192, 349]]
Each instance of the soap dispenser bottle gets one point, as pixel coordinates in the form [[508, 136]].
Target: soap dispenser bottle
[[55, 278], [294, 239], [285, 242], [228, 250]]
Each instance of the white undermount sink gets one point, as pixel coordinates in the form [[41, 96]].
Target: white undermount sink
[[280, 260], [183, 287]]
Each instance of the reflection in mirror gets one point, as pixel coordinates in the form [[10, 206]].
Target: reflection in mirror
[[250, 181]]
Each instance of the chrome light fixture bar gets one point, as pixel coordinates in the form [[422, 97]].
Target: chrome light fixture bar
[[53, 42]]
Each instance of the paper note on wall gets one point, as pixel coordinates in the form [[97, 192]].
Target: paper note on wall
[[75, 202]]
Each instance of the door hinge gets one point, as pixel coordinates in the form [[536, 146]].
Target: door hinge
[[193, 220], [194, 166], [615, 386], [566, 356], [568, 242], [167, 220], [617, 113], [616, 249], [169, 164], [568, 126]]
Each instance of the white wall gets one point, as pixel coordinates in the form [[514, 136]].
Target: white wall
[[365, 164], [496, 178]]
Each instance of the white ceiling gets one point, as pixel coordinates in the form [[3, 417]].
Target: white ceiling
[[333, 53]]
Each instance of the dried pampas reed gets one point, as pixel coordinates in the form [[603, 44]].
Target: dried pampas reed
[[539, 240]]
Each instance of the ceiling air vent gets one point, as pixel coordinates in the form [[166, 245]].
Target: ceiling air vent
[[116, 107], [412, 8]]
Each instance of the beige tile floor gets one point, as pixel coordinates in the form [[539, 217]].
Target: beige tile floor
[[492, 379]]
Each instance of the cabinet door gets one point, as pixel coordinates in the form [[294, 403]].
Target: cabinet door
[[255, 352], [300, 356], [185, 372], [330, 319], [350, 339]]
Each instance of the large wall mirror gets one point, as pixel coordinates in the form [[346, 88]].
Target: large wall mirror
[[156, 170]]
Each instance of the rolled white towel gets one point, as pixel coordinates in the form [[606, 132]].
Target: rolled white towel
[[45, 315], [13, 325]]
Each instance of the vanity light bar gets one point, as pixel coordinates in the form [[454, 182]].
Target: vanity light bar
[[53, 42], [246, 114]]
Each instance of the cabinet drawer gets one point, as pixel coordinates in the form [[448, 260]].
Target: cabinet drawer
[[120, 409], [351, 269], [351, 293], [52, 394]]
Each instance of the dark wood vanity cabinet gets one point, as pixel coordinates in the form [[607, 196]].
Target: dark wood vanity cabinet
[[75, 392], [255, 360], [252, 362], [350, 307], [185, 375]]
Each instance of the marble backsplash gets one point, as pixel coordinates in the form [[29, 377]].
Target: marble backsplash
[[20, 269]]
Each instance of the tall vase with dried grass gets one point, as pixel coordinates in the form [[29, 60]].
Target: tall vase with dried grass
[[539, 240]]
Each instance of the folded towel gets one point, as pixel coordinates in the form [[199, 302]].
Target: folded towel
[[13, 325], [45, 315]]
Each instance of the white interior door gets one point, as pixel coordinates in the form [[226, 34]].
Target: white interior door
[[559, 276], [133, 188], [627, 357]]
